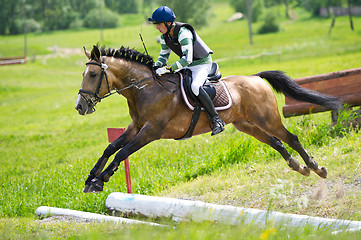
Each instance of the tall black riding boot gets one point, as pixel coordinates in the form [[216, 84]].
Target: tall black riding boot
[[217, 122]]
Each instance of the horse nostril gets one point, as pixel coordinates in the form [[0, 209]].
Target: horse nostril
[[78, 107]]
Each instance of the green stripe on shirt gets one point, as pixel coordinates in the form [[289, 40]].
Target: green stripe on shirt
[[185, 38]]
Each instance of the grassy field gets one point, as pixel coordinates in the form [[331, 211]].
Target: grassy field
[[47, 149]]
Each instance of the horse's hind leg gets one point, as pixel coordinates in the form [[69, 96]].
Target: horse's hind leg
[[276, 128], [274, 142], [291, 162], [293, 142]]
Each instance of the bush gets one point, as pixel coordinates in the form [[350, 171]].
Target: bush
[[59, 18], [17, 26], [92, 19], [73, 19], [76, 24], [33, 26], [270, 23]]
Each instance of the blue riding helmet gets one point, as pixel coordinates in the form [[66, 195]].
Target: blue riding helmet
[[162, 14]]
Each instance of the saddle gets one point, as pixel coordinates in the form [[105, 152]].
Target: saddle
[[216, 90]]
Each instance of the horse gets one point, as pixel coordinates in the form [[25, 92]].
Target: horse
[[158, 111]]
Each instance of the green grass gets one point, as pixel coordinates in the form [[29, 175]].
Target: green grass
[[47, 149], [197, 231]]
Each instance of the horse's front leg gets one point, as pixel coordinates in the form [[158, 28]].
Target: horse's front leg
[[113, 147], [147, 134]]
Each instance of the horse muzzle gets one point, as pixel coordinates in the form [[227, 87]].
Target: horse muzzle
[[83, 106]]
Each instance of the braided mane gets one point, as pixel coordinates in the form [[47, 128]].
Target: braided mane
[[129, 54]]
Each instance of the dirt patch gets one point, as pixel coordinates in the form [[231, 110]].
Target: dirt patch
[[64, 219], [64, 51], [59, 52], [321, 192]]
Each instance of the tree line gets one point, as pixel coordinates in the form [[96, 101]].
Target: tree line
[[48, 15], [312, 6]]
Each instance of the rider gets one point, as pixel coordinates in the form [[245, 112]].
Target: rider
[[194, 55]]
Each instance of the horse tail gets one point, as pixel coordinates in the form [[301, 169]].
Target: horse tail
[[286, 85]]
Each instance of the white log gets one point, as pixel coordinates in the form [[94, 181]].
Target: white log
[[45, 210], [198, 211]]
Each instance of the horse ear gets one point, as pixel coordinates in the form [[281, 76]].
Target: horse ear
[[95, 54], [87, 54]]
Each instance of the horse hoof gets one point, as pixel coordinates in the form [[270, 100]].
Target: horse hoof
[[93, 189], [322, 172], [293, 164], [313, 165], [86, 189], [96, 185], [304, 170]]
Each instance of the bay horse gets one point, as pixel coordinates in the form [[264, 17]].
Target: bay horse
[[158, 110]]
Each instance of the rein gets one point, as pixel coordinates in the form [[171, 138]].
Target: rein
[[158, 80]]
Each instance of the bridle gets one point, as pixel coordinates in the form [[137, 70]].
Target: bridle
[[93, 97]]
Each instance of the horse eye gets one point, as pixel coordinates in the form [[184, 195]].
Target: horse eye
[[92, 74]]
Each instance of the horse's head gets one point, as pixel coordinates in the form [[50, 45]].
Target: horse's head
[[128, 69], [95, 83]]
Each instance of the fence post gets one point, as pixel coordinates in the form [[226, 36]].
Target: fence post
[[114, 133]]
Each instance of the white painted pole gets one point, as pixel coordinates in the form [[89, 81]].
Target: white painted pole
[[44, 211], [199, 211]]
